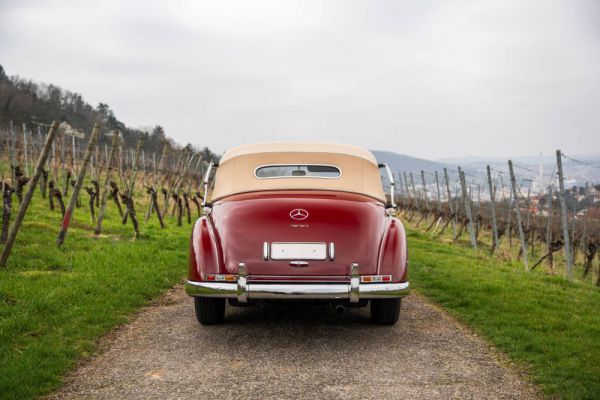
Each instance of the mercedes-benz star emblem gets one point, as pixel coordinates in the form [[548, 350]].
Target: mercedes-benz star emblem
[[299, 214]]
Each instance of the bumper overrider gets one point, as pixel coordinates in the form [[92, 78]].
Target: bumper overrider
[[242, 290]]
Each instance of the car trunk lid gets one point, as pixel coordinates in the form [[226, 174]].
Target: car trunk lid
[[308, 235]]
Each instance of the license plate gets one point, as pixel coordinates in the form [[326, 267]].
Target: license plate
[[298, 251]]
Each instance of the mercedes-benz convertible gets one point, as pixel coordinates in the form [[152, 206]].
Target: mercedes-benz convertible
[[298, 221]]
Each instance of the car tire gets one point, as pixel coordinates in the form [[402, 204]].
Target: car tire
[[236, 303], [385, 311], [209, 311]]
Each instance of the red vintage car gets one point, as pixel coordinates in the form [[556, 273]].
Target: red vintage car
[[296, 221]]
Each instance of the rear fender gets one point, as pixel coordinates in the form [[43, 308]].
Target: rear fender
[[393, 252], [204, 252]]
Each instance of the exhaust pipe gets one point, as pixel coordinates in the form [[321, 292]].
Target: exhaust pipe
[[339, 309]]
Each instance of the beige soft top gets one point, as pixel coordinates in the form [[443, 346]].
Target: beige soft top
[[359, 169]]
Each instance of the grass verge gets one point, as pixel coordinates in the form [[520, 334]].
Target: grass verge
[[55, 303], [549, 326]]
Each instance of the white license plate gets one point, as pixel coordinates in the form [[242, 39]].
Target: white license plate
[[298, 251]]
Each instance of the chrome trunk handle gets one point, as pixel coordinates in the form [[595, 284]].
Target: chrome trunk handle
[[299, 263]]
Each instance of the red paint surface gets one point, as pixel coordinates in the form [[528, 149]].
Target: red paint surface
[[66, 220], [239, 225]]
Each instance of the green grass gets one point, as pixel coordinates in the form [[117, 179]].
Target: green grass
[[549, 326], [55, 303]]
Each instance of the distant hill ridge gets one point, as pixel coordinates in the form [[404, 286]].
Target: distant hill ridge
[[404, 163]]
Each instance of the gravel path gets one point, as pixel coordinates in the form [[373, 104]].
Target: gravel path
[[293, 351]]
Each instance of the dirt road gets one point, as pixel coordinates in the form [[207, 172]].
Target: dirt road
[[299, 352]]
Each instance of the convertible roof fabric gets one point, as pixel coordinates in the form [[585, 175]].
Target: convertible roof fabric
[[236, 172], [298, 147]]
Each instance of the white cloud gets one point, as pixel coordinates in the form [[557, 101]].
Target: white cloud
[[430, 79]]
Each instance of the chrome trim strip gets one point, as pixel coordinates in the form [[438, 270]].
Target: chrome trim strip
[[299, 278], [242, 287], [354, 284], [306, 291], [243, 290], [211, 289], [266, 248], [331, 251], [392, 184], [206, 182], [384, 290]]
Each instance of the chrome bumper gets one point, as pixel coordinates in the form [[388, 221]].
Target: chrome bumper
[[244, 291]]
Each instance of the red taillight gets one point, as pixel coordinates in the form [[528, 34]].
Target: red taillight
[[220, 277], [375, 278]]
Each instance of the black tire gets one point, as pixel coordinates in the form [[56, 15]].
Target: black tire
[[235, 303], [385, 311], [209, 311]]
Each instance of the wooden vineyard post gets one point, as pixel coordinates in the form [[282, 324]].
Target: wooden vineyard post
[[12, 149], [107, 187], [424, 191], [408, 196], [150, 189], [478, 229], [467, 204], [449, 193], [493, 209], [518, 212], [135, 161], [401, 190], [169, 188], [439, 196], [151, 204], [12, 234], [26, 150], [127, 197], [78, 184], [416, 197], [44, 181], [563, 215], [6, 209], [163, 167], [509, 217], [405, 190], [549, 217], [159, 181], [154, 204]]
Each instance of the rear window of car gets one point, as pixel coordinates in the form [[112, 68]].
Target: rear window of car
[[297, 171]]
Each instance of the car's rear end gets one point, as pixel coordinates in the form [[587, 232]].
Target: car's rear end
[[333, 245]]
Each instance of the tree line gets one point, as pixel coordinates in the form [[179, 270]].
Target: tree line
[[29, 104]]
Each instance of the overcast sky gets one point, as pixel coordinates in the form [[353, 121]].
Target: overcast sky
[[429, 79]]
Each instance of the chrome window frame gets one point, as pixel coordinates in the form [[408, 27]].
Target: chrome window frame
[[392, 184], [207, 182], [298, 164]]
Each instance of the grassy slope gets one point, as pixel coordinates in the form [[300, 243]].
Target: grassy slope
[[54, 303], [547, 324]]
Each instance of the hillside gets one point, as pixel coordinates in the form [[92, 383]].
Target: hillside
[[404, 163], [26, 104]]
